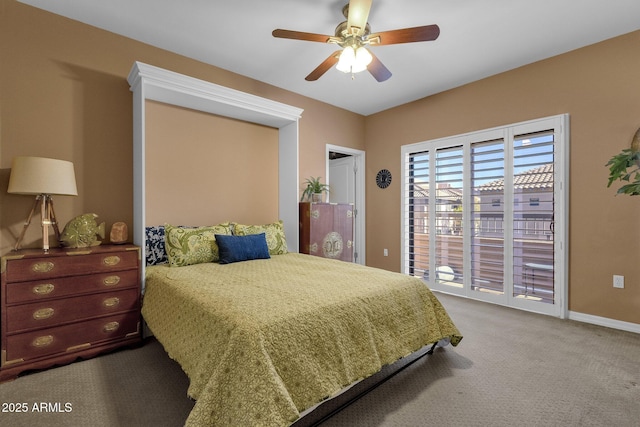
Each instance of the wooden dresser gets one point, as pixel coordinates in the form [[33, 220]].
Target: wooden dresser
[[66, 304], [326, 230]]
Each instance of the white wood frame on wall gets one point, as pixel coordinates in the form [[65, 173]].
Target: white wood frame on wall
[[156, 84]]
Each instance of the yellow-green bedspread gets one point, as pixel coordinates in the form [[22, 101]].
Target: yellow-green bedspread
[[263, 340]]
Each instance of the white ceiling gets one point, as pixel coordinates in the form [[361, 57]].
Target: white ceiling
[[478, 38]]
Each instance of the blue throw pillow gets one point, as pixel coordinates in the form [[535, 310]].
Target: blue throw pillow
[[242, 248]]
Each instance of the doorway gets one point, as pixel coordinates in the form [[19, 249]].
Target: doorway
[[345, 175]]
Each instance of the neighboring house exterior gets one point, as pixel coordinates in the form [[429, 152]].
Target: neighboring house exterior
[[533, 205], [448, 206]]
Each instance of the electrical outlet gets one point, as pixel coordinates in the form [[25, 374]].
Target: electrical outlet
[[618, 281], [386, 252]]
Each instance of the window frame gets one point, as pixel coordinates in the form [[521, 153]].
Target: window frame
[[560, 126]]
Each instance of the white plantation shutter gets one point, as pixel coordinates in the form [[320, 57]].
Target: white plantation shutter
[[481, 213], [416, 205], [448, 212], [533, 215], [487, 215]]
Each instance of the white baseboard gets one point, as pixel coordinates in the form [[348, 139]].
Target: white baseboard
[[605, 321]]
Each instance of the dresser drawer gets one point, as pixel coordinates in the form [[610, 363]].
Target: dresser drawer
[[50, 313], [29, 269], [38, 290], [65, 339]]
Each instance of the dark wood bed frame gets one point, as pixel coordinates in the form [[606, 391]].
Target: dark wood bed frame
[[332, 406]]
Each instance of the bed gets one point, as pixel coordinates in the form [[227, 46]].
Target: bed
[[265, 339]]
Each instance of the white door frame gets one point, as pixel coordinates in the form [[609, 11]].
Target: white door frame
[[359, 225]]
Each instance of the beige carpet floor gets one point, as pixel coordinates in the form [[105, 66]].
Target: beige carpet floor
[[512, 368]]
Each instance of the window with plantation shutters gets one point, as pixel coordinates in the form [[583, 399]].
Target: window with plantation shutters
[[484, 214], [416, 204]]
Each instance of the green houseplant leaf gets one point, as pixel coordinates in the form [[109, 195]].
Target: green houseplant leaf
[[622, 167], [314, 186]]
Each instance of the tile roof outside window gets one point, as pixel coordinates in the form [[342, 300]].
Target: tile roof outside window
[[540, 177]]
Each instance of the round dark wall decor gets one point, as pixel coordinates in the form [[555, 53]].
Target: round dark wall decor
[[383, 178]]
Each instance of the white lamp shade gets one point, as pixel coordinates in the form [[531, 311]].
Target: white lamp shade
[[39, 175]]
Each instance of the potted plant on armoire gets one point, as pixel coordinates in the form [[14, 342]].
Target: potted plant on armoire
[[313, 191]]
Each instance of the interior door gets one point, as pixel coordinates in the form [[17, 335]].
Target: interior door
[[343, 180]]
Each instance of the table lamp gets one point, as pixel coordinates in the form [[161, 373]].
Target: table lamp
[[42, 177]]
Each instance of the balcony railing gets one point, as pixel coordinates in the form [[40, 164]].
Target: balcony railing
[[533, 272]]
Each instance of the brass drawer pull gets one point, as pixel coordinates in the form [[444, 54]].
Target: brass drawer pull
[[111, 302], [42, 267], [42, 341], [43, 289], [111, 326], [111, 280], [43, 313], [111, 260], [79, 347]]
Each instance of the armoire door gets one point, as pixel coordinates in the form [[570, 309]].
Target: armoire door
[[326, 230]]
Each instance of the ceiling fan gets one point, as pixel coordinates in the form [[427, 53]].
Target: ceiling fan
[[353, 35]]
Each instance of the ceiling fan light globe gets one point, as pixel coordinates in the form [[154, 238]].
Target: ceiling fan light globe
[[345, 68], [342, 66], [363, 58], [357, 68], [347, 59]]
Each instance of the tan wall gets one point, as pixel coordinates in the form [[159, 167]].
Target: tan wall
[[203, 169], [64, 94], [599, 86]]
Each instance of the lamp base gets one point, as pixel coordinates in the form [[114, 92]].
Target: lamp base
[[48, 217]]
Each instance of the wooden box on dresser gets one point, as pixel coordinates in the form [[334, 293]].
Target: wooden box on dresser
[[67, 304], [326, 230]]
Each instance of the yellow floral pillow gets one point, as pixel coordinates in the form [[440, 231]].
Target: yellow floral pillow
[[187, 246], [274, 233]]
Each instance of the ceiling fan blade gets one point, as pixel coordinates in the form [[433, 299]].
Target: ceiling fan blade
[[405, 35], [299, 35], [324, 67], [378, 70], [358, 14]]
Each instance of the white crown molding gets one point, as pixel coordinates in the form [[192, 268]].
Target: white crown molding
[[177, 89]]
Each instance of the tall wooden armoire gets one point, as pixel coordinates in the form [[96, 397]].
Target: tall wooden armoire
[[326, 230]]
